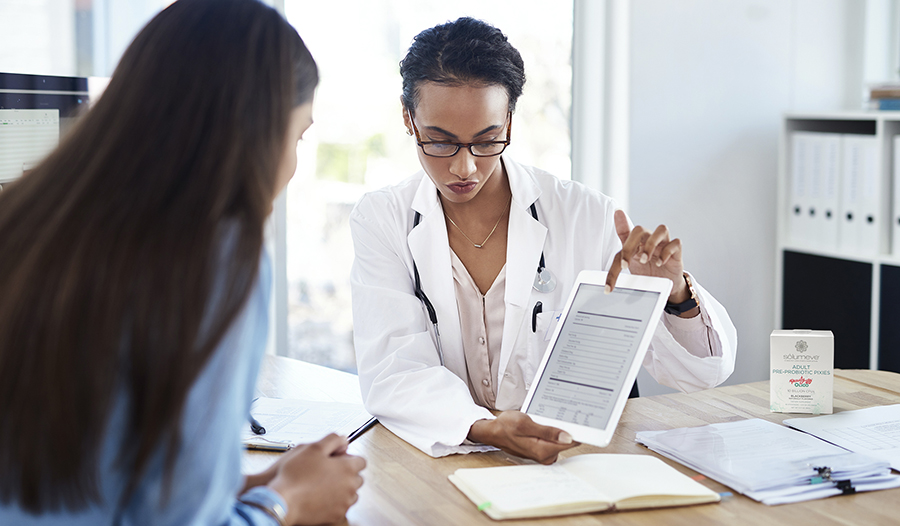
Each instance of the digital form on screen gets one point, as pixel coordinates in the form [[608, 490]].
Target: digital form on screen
[[26, 137], [591, 357]]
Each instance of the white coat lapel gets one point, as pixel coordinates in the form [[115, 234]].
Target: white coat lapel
[[430, 250], [525, 241]]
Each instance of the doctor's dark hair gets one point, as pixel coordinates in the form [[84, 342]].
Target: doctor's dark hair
[[111, 246], [466, 51]]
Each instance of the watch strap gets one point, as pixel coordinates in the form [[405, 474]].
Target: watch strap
[[268, 501], [678, 309]]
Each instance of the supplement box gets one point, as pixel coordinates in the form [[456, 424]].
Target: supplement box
[[801, 369]]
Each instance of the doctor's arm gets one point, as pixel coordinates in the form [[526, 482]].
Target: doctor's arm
[[696, 349], [648, 253]]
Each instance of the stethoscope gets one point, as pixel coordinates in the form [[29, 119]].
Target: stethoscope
[[544, 281]]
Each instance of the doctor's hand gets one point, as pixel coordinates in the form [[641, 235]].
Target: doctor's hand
[[318, 481], [517, 434], [648, 253]]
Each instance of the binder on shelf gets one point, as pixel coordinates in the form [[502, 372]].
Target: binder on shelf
[[815, 190], [798, 197], [830, 202], [895, 176], [814, 175], [859, 201], [870, 220]]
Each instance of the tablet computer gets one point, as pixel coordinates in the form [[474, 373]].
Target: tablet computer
[[595, 354]]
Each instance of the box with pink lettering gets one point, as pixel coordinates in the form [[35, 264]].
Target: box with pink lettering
[[802, 372]]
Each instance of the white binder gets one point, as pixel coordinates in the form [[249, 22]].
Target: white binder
[[814, 196], [895, 222], [871, 220], [815, 191], [798, 196], [860, 222], [830, 202]]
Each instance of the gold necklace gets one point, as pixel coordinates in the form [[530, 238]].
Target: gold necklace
[[508, 205]]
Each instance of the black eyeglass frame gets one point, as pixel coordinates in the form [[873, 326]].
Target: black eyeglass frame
[[459, 145]]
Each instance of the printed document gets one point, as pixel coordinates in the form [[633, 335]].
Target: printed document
[[769, 462], [874, 432], [292, 422]]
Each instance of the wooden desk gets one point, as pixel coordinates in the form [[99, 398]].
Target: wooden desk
[[405, 486]]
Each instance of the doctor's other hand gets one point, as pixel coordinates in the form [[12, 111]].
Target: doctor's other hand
[[648, 253], [517, 434], [319, 481]]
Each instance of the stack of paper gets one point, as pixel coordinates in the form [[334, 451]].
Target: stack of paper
[[771, 463], [874, 431]]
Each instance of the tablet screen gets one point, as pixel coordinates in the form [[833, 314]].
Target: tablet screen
[[592, 355]]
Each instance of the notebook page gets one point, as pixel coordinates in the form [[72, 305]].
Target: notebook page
[[621, 477], [531, 487]]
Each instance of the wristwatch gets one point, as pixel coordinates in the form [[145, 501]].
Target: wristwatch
[[262, 498], [680, 308]]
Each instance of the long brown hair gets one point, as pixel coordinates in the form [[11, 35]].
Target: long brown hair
[[109, 248]]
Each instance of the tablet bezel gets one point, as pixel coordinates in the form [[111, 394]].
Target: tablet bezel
[[590, 435]]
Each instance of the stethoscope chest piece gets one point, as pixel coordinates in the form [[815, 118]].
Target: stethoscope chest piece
[[544, 281]]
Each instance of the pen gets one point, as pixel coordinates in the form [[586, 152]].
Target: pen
[[362, 429], [274, 446], [256, 427], [538, 308]]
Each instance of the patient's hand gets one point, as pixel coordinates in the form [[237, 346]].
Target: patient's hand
[[319, 481]]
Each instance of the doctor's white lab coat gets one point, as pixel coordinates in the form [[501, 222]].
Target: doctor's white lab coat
[[402, 381]]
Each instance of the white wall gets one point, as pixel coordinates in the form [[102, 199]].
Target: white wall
[[37, 37], [709, 82]]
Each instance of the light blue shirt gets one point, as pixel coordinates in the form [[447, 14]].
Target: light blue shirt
[[207, 473]]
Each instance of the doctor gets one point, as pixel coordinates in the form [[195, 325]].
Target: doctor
[[460, 268]]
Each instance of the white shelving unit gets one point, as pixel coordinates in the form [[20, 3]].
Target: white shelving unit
[[883, 125]]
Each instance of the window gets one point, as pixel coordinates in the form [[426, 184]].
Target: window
[[358, 142], [70, 37]]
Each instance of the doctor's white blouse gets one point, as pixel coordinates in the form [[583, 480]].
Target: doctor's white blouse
[[490, 351]]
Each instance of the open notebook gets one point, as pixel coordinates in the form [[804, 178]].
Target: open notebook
[[579, 484]]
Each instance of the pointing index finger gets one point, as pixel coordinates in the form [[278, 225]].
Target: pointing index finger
[[622, 227], [613, 273]]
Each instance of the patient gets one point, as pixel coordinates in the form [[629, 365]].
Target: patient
[[134, 310]]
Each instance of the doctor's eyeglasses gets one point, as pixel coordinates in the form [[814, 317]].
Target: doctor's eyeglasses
[[449, 149]]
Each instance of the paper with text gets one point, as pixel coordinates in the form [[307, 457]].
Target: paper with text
[[874, 431], [592, 355], [292, 422]]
